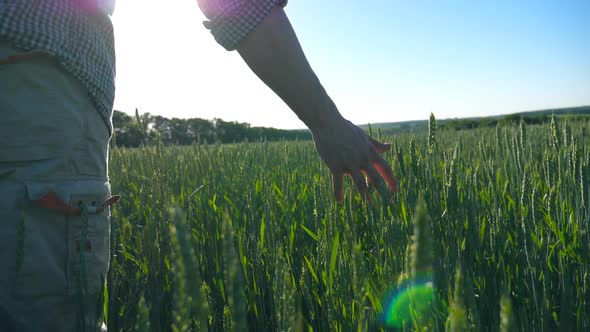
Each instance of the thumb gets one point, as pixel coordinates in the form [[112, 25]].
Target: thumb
[[380, 147]]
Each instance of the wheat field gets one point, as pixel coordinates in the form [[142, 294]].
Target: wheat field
[[489, 232]]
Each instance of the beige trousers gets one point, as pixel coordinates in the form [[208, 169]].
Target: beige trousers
[[52, 140]]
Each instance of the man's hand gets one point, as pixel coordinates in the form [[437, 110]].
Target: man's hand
[[347, 150], [274, 54]]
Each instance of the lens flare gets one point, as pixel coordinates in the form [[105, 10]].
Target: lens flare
[[410, 301]]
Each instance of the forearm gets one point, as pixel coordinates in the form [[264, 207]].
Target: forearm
[[274, 54], [263, 36]]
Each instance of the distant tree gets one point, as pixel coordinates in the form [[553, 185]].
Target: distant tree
[[133, 131], [162, 126], [126, 130], [202, 130]]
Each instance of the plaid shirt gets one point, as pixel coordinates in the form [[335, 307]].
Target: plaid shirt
[[80, 35]]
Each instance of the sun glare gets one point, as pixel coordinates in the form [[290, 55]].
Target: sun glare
[[169, 64]]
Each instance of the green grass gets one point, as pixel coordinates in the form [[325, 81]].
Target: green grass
[[247, 236]]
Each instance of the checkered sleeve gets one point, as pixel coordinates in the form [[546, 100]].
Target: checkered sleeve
[[230, 21]]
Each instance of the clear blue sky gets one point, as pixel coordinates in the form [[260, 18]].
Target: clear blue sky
[[381, 61]]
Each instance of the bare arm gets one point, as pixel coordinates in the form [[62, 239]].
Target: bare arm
[[274, 54]]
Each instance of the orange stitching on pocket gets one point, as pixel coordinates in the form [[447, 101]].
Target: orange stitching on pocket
[[51, 201]]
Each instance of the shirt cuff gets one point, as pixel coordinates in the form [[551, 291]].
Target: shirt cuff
[[231, 21]]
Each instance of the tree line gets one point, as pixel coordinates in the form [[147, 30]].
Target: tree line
[[512, 119], [147, 129]]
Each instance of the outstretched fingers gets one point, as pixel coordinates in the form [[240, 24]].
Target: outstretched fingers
[[379, 147], [382, 167], [338, 186], [376, 172], [376, 181], [386, 172], [360, 182]]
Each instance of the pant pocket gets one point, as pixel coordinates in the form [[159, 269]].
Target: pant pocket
[[88, 244], [64, 253]]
